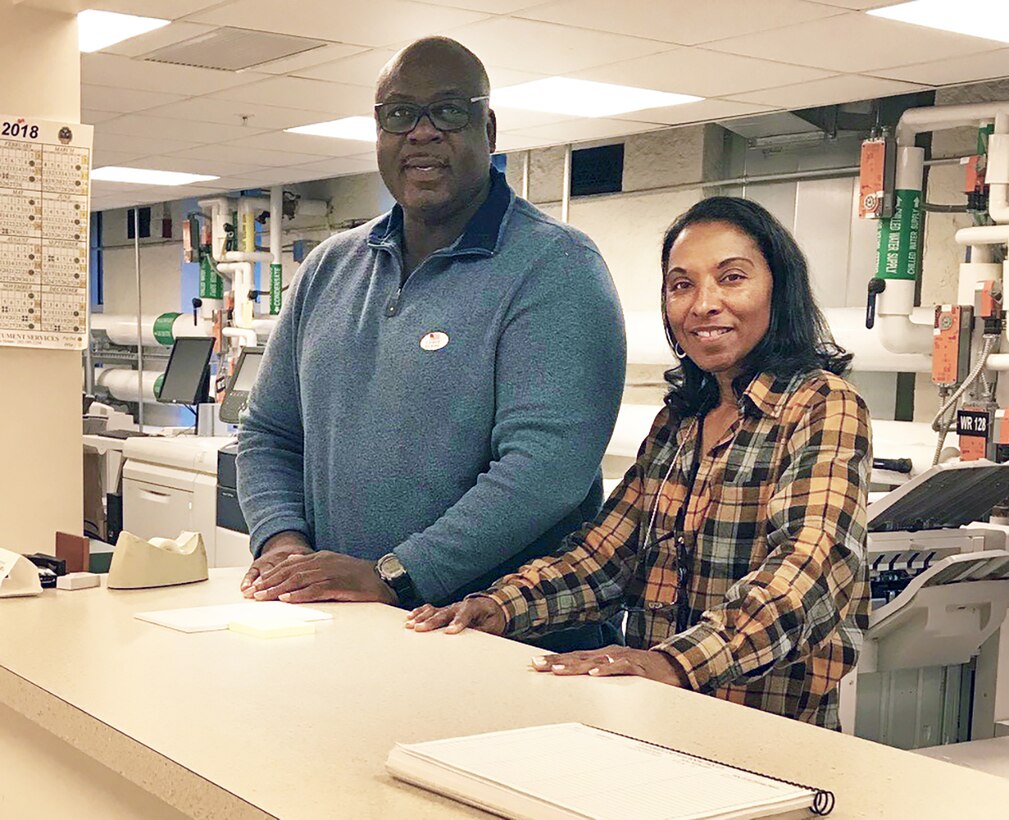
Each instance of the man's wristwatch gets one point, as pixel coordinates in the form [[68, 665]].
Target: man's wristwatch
[[392, 572]]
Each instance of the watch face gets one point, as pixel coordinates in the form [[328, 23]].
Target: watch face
[[390, 567]]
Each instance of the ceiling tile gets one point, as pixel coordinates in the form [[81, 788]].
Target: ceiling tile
[[140, 125], [231, 112], [363, 69], [360, 69], [844, 88], [507, 142], [340, 166], [852, 43], [545, 48], [703, 111], [126, 72], [679, 21], [159, 38], [296, 63], [301, 143], [103, 157], [989, 65], [104, 141], [858, 5], [376, 23], [489, 6], [702, 73], [92, 117], [312, 95], [582, 130], [123, 100], [243, 154], [166, 9], [514, 119], [188, 165]]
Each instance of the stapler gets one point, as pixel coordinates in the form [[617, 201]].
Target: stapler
[[160, 562], [50, 568], [18, 576]]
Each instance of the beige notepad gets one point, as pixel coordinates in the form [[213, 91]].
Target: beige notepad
[[570, 770]]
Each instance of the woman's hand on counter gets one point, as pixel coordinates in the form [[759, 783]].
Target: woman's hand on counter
[[478, 613], [614, 660]]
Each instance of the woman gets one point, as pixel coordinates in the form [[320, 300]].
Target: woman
[[736, 542]]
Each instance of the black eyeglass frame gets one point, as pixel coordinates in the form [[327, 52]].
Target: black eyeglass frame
[[425, 111]]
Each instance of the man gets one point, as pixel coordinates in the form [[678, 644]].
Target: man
[[437, 395]]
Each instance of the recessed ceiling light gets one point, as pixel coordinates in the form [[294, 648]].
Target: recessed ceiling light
[[100, 29], [349, 128], [145, 176], [988, 19], [583, 98]]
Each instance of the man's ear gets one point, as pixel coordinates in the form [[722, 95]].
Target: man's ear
[[492, 130]]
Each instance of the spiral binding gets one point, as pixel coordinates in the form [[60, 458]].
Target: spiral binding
[[823, 799]]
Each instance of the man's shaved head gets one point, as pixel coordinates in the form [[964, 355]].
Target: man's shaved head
[[434, 173], [456, 59]]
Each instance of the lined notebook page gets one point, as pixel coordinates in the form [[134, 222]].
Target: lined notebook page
[[593, 773]]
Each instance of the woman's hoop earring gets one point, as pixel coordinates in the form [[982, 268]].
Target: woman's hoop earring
[[679, 351]]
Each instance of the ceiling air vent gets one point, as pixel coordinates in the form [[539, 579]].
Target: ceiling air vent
[[232, 49]]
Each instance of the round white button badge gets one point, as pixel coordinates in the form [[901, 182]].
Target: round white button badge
[[435, 340]]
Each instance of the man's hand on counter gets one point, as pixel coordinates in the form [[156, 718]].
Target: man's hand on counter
[[321, 576], [274, 552]]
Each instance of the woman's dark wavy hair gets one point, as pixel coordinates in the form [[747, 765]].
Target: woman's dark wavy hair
[[798, 339]]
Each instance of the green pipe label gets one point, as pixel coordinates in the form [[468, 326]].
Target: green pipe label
[[211, 283], [276, 288], [899, 250], [158, 382], [163, 329]]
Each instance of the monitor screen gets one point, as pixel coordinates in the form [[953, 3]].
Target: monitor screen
[[248, 368], [242, 381], [185, 376]]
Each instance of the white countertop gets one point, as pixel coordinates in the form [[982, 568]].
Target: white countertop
[[220, 723]]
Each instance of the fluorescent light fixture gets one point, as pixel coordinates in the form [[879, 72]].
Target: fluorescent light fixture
[[988, 19], [144, 176], [583, 98], [349, 128], [100, 29]]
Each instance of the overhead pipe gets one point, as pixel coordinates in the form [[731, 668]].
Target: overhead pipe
[[997, 171], [917, 120], [220, 213], [163, 329], [899, 260], [277, 262]]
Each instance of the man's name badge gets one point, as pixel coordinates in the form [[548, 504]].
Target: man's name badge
[[435, 340]]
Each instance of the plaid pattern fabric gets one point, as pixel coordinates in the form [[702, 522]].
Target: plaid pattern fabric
[[772, 552]]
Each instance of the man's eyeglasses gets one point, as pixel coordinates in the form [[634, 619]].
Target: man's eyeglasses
[[452, 114]]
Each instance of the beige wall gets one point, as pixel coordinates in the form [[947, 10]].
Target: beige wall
[[40, 423]]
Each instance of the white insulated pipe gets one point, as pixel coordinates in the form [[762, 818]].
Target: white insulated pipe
[[264, 326], [220, 212], [123, 383], [246, 336], [983, 235], [898, 332], [970, 274], [248, 256], [276, 218], [917, 120], [122, 329], [997, 171]]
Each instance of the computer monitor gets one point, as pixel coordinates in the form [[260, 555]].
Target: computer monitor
[[237, 396], [187, 377]]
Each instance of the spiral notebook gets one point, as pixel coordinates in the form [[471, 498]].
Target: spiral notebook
[[570, 770]]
